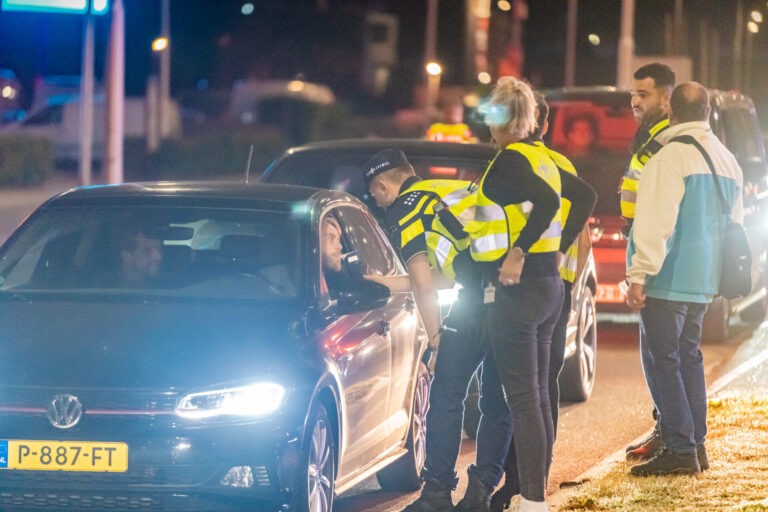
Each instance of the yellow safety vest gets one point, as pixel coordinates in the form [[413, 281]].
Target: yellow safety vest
[[631, 179], [570, 258], [442, 245], [496, 228]]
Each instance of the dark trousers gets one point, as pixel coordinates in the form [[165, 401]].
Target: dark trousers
[[463, 348], [670, 333], [556, 358], [520, 324]]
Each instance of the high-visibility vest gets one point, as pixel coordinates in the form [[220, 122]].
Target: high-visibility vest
[[496, 228], [570, 258], [450, 132], [444, 241], [628, 188]]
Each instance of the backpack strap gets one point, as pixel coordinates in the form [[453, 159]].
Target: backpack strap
[[689, 139]]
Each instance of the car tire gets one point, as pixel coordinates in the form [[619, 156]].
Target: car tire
[[578, 375], [315, 485], [755, 313], [404, 474], [714, 328]]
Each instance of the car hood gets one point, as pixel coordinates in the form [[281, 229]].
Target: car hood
[[144, 344]]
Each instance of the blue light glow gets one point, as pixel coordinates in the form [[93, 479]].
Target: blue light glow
[[62, 6], [100, 6]]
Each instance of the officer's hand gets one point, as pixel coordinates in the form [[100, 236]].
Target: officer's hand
[[636, 297], [512, 267]]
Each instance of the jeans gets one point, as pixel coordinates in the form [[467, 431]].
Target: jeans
[[670, 333], [520, 325], [463, 347], [556, 359]]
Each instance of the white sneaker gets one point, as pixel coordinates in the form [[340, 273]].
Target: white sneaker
[[531, 506]]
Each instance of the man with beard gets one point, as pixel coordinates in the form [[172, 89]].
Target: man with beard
[[651, 89]]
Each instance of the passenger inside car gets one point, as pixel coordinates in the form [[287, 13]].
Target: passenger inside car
[[581, 133]]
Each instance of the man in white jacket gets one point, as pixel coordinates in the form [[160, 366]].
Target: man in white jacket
[[673, 270]]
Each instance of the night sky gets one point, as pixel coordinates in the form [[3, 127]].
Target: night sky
[[320, 39]]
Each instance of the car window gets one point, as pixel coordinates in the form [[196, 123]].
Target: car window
[[159, 251], [49, 115], [595, 134], [351, 245], [365, 237]]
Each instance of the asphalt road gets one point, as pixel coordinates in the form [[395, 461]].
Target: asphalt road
[[618, 411]]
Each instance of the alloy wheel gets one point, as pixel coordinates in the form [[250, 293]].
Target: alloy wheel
[[320, 469], [419, 430]]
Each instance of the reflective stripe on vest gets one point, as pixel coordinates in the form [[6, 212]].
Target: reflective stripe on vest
[[496, 228], [442, 247], [570, 258], [628, 187]]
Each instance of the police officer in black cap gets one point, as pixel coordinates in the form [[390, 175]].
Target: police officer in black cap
[[424, 219]]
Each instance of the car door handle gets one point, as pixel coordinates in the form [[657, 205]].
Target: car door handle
[[384, 327], [410, 305]]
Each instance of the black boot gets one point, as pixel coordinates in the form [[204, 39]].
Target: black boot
[[668, 463], [477, 497], [502, 498], [433, 498], [701, 454]]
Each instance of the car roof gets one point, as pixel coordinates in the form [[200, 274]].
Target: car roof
[[411, 147], [211, 193]]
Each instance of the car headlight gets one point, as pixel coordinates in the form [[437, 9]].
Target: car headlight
[[254, 400]]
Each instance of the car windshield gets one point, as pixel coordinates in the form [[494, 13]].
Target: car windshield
[[157, 251], [343, 171], [595, 134], [740, 133]]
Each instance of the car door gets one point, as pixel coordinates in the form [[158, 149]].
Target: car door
[[401, 317], [359, 348]]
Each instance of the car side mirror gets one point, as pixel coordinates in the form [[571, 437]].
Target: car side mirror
[[361, 295]]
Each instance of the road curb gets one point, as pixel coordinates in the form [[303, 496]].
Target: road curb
[[561, 496]]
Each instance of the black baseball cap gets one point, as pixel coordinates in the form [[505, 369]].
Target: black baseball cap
[[383, 161]]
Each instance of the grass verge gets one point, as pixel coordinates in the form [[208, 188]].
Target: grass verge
[[737, 480]]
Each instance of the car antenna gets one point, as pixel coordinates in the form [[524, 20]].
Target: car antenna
[[248, 165]]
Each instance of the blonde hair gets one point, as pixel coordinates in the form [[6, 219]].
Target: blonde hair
[[517, 98]]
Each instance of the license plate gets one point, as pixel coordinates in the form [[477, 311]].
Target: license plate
[[610, 293], [63, 455]]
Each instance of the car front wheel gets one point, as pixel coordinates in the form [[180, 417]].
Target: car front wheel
[[404, 473], [315, 488]]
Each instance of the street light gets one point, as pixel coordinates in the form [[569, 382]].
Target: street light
[[753, 27], [484, 77], [757, 16], [160, 44], [434, 69]]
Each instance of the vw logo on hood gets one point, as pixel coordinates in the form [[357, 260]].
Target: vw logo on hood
[[65, 411]]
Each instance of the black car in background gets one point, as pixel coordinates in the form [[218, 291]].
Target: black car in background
[[338, 165], [234, 372]]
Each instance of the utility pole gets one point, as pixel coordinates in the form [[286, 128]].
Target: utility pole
[[738, 44], [430, 54], [116, 94], [165, 71], [86, 102], [570, 43], [626, 44]]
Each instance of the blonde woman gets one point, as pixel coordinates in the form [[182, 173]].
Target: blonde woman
[[516, 234]]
